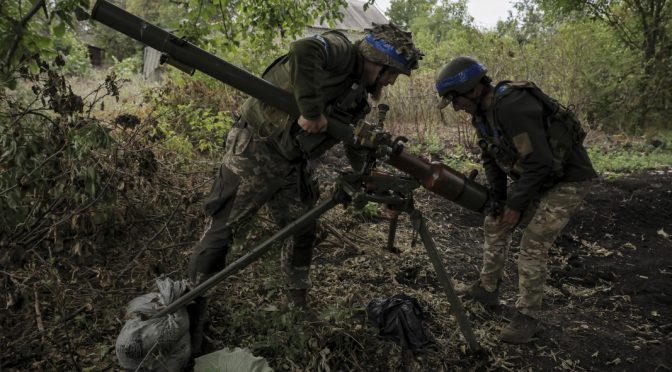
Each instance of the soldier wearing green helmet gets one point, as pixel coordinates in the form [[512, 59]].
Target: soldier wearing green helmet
[[530, 138], [267, 151]]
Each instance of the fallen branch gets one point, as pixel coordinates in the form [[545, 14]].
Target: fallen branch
[[340, 236], [38, 313]]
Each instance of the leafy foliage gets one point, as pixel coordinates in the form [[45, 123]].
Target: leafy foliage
[[75, 54], [51, 169], [128, 67], [194, 114], [26, 32], [644, 28], [402, 12], [260, 22]]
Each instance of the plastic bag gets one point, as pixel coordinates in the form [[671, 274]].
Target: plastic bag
[[231, 360], [166, 338], [399, 319]]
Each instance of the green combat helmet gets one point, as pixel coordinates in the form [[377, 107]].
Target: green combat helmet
[[458, 76], [388, 45]]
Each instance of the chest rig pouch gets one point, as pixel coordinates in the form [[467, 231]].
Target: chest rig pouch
[[563, 128], [492, 142], [349, 108]]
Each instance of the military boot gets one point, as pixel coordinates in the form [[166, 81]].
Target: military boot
[[198, 318], [478, 293], [520, 330]]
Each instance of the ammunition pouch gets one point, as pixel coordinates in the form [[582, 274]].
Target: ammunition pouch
[[564, 131], [505, 156]]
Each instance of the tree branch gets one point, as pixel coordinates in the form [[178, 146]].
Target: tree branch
[[19, 30], [602, 12]]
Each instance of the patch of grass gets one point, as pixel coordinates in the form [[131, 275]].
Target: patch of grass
[[461, 162], [339, 313], [433, 143], [615, 162]]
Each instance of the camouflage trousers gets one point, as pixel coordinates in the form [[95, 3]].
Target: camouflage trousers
[[253, 175], [547, 217]]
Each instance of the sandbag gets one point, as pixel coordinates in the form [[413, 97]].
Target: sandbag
[[231, 360], [167, 338]]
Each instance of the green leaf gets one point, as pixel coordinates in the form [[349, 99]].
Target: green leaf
[[41, 41], [33, 67], [59, 29]]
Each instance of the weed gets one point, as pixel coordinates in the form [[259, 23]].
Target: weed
[[369, 212]]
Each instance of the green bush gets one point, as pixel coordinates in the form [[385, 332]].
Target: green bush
[[128, 67], [52, 161], [194, 114], [196, 128], [76, 54]]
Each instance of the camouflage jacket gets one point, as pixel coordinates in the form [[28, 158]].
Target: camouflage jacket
[[317, 70], [515, 142]]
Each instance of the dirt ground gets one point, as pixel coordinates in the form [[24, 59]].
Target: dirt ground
[[607, 306]]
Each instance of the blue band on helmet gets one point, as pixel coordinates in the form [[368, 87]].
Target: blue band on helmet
[[460, 78], [383, 46]]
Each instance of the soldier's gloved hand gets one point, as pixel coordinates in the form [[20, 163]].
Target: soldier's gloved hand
[[313, 126], [508, 219]]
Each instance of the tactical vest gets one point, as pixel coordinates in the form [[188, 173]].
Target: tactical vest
[[563, 131]]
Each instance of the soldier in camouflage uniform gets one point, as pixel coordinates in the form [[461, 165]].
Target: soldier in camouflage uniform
[[267, 151], [529, 137]]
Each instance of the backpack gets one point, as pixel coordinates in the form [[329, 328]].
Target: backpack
[[563, 128]]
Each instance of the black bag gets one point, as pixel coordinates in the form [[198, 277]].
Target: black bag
[[399, 319]]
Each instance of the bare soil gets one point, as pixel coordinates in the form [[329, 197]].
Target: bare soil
[[607, 306]]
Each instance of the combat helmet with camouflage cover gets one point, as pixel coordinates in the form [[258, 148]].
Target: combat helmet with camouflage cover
[[388, 45]]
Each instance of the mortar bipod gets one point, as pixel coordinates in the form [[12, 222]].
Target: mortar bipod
[[357, 189], [398, 192]]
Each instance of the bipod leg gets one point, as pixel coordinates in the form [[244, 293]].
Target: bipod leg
[[391, 234], [247, 259], [447, 284]]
